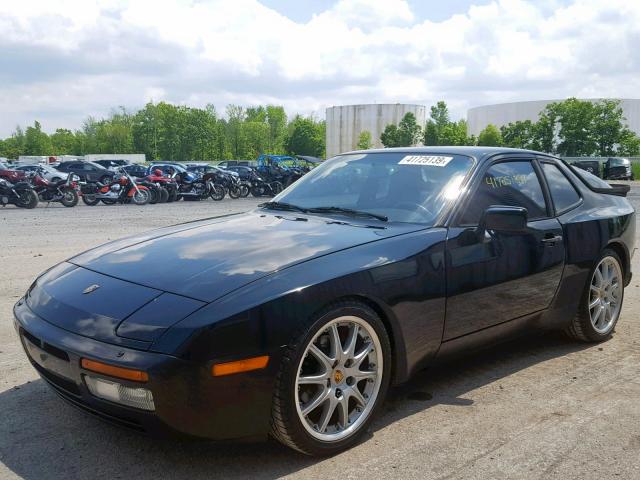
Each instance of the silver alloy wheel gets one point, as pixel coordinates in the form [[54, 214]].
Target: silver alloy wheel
[[605, 298], [339, 378]]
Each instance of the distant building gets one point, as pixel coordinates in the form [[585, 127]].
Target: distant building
[[504, 113], [345, 123]]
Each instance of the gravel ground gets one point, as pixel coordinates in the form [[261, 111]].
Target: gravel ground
[[540, 407]]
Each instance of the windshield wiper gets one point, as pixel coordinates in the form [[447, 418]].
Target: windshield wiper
[[283, 206], [348, 211]]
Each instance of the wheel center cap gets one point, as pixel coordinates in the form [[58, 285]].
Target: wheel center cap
[[338, 376]]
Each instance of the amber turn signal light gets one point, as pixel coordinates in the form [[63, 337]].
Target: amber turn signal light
[[113, 371], [246, 365]]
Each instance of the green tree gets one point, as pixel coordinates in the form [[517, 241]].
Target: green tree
[[439, 120], [390, 136], [409, 132], [519, 134], [455, 133], [575, 121], [306, 137], [364, 140], [14, 146], [63, 142], [607, 126], [36, 142], [490, 136], [277, 120]]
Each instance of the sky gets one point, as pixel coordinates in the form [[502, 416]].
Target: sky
[[64, 60]]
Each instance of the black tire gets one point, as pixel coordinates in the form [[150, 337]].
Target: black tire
[[581, 327], [217, 192], [173, 196], [90, 199], [28, 199], [234, 191], [140, 198], [286, 425], [154, 196], [164, 195], [276, 188], [257, 191], [69, 198], [244, 190]]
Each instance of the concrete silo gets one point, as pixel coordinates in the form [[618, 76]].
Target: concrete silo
[[345, 123]]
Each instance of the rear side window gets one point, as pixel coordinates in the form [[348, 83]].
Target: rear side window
[[508, 183], [563, 193]]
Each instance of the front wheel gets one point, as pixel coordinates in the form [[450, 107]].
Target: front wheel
[[217, 192], [28, 199], [234, 191], [601, 301], [164, 195], [333, 379], [69, 198], [140, 197]]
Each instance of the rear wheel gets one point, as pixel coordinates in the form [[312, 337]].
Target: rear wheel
[[601, 301], [332, 380], [234, 191], [276, 187], [154, 196], [90, 199], [164, 195]]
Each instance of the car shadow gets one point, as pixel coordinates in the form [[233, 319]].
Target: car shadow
[[43, 437]]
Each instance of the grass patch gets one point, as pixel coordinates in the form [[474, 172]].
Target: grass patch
[[635, 168]]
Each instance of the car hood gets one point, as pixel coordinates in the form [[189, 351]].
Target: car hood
[[205, 260]]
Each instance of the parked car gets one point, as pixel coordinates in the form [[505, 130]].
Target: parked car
[[591, 166], [45, 171], [616, 168], [293, 319], [136, 170], [11, 174], [112, 164], [237, 163], [87, 171]]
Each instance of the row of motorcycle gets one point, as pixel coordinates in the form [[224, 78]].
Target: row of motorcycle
[[157, 187]]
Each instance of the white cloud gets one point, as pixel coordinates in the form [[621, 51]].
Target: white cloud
[[64, 60]]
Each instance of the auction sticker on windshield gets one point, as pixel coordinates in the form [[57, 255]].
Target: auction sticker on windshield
[[425, 160]]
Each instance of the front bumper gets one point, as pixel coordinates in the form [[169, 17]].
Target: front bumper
[[188, 400]]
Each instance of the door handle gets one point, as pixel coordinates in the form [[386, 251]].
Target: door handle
[[550, 239]]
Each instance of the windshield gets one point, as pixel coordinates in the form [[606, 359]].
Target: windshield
[[619, 162], [412, 188]]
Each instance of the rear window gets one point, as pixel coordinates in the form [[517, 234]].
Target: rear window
[[563, 193], [590, 179]]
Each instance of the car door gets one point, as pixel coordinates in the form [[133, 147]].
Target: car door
[[492, 276]]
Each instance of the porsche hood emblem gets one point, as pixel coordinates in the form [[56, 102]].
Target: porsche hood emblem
[[91, 288]]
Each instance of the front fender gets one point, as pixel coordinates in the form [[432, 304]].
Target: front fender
[[402, 277]]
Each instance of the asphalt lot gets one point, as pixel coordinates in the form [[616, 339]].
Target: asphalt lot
[[540, 407]]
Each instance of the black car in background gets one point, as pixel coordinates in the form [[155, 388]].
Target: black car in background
[[292, 320], [616, 168], [112, 164], [87, 171], [136, 170], [591, 166]]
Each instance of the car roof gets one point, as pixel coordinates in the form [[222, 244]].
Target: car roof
[[479, 153]]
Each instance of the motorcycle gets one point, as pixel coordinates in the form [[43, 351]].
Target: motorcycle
[[191, 187], [261, 188], [20, 194], [63, 191], [123, 189], [165, 183]]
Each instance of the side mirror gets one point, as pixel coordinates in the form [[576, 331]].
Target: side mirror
[[502, 218]]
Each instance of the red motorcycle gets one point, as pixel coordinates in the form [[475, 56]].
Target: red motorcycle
[[123, 189], [63, 191], [166, 183]]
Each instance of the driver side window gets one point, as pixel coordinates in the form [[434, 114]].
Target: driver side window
[[507, 183]]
